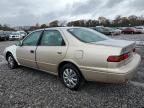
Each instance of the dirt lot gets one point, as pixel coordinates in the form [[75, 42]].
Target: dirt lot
[[28, 88]]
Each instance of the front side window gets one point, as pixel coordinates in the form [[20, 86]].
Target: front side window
[[32, 39], [87, 35], [52, 38]]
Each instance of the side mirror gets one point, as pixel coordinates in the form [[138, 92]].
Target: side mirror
[[19, 43]]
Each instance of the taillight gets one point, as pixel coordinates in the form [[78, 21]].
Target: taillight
[[118, 58]]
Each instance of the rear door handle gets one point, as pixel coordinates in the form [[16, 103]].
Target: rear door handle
[[31, 51]]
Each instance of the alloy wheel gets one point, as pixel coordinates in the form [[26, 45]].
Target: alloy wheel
[[70, 78]]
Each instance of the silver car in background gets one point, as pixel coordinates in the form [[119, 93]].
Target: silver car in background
[[18, 35]]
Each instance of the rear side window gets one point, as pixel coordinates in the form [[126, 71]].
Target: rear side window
[[52, 38], [87, 35], [32, 39]]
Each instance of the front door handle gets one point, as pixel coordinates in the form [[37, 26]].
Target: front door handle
[[59, 52], [31, 51]]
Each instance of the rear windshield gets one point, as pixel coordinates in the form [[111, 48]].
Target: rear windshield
[[87, 35]]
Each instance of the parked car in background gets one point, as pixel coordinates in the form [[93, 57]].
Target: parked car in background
[[140, 28], [15, 36], [7, 34], [28, 32], [76, 54], [104, 30], [121, 28], [131, 30], [2, 36], [117, 31], [23, 34]]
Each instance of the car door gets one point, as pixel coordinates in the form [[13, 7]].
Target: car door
[[26, 52], [51, 50]]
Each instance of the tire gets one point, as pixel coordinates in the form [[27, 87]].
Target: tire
[[71, 76], [12, 64]]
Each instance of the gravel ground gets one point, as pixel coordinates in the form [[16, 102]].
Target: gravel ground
[[28, 88]]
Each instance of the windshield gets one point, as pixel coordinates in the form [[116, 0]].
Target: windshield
[[87, 35]]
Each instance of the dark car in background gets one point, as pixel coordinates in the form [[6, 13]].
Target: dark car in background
[[7, 34], [131, 30], [2, 36]]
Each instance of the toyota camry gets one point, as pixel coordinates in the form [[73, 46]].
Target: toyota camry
[[76, 54]]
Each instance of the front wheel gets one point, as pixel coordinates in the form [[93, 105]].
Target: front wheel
[[12, 64], [71, 77]]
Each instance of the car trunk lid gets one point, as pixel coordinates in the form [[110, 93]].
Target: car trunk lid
[[115, 43], [126, 47]]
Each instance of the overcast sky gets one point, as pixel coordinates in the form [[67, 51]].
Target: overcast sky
[[29, 12]]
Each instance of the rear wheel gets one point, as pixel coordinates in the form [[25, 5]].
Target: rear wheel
[[12, 64], [71, 76]]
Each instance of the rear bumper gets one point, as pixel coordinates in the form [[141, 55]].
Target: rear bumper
[[116, 75]]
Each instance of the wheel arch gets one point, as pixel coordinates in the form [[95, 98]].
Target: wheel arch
[[66, 62], [10, 53], [7, 54]]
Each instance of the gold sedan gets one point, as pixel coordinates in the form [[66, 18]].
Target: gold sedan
[[76, 54]]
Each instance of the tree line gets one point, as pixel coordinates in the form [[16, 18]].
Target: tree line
[[6, 28], [119, 21]]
